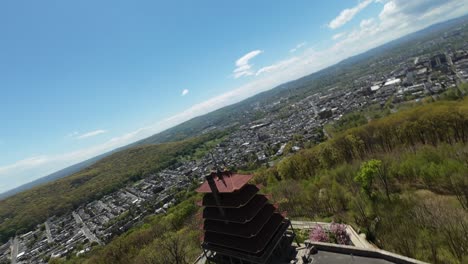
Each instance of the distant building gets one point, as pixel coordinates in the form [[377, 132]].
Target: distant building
[[325, 113], [392, 82], [438, 60], [374, 88]]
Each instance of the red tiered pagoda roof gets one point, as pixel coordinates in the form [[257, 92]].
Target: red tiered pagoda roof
[[227, 183], [237, 215], [248, 229], [239, 223], [254, 244], [232, 200]]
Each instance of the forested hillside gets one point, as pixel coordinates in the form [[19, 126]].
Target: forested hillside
[[54, 176], [27, 209], [401, 179]]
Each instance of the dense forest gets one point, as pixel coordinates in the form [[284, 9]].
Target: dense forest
[[401, 179], [23, 211]]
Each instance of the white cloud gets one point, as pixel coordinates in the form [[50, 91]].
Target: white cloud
[[398, 18], [347, 14], [365, 23], [338, 35], [244, 60], [185, 92], [279, 65], [389, 9], [243, 68], [78, 135], [92, 134], [23, 164], [403, 20], [298, 46], [73, 134]]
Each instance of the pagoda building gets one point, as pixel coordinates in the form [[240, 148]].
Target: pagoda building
[[240, 225]]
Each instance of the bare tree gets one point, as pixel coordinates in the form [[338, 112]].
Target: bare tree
[[174, 249]]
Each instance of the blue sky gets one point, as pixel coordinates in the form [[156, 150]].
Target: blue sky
[[79, 78]]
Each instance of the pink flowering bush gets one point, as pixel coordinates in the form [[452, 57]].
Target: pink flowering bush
[[318, 234], [339, 234]]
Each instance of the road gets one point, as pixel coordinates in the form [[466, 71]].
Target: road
[[314, 107], [48, 233], [358, 241], [14, 250], [91, 237]]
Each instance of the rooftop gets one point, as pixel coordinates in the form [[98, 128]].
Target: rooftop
[[235, 199], [226, 182]]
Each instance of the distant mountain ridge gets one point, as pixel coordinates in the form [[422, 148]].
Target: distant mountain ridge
[[236, 113], [55, 176]]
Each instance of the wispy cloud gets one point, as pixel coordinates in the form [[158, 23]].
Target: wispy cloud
[[92, 134], [185, 92], [279, 65], [73, 134], [24, 164], [347, 14], [298, 46], [366, 23], [243, 68], [338, 35], [401, 18]]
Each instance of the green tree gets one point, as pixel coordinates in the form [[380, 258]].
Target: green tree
[[366, 175]]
